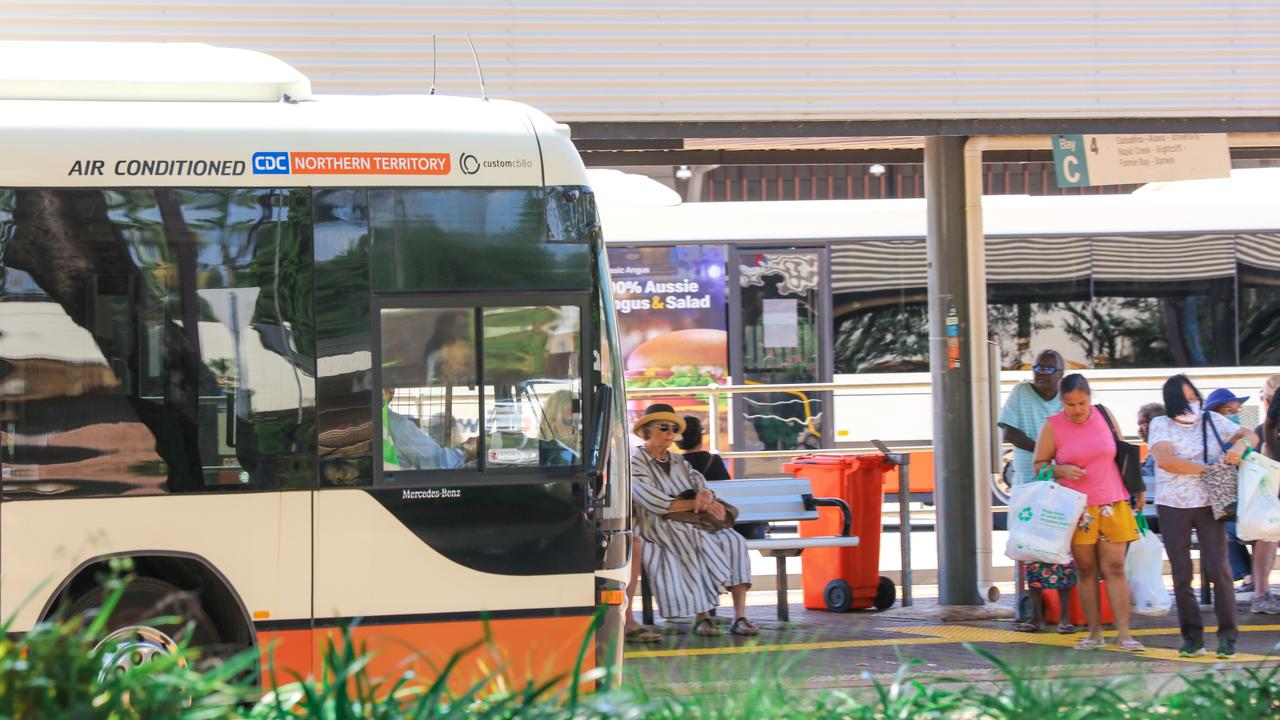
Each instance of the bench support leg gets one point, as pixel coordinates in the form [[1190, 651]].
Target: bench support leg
[[646, 599], [784, 612]]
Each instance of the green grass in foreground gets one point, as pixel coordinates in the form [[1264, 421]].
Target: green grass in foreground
[[53, 672]]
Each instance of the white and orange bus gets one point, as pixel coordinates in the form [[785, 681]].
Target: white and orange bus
[[308, 361]]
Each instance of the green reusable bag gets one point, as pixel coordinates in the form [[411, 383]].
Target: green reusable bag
[[1046, 473]]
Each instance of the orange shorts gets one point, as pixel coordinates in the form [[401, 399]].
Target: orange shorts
[[1109, 523]]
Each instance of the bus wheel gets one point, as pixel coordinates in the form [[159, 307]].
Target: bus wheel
[[131, 640]]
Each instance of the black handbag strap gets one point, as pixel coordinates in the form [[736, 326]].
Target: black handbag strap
[[707, 465], [1107, 416], [1206, 426], [1204, 435]]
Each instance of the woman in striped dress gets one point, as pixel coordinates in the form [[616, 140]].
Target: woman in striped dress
[[688, 566]]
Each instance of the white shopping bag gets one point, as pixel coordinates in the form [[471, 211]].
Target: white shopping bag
[[1144, 566], [1258, 505], [1042, 519]]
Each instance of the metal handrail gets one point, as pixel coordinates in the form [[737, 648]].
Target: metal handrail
[[713, 392]]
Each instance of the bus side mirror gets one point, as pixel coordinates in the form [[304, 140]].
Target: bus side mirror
[[598, 444]]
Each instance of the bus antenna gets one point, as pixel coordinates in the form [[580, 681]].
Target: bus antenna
[[484, 95], [433, 65]]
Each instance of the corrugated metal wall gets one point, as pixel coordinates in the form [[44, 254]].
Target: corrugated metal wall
[[598, 60]]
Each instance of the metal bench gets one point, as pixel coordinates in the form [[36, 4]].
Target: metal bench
[[770, 500]]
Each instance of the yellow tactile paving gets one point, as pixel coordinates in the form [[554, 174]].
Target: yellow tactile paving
[[966, 633], [788, 647], [954, 634]]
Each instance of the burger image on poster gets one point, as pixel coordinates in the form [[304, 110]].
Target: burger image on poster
[[682, 358]]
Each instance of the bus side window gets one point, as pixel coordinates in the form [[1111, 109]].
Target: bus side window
[[429, 404]]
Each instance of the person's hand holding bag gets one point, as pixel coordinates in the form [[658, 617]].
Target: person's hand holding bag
[[1067, 471]]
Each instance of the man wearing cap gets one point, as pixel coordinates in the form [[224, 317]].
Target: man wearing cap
[[1029, 405], [1227, 404], [689, 565]]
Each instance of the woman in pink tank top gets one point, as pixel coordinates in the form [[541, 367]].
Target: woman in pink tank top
[[1080, 446]]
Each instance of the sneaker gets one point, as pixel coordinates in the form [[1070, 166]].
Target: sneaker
[[1226, 649], [1245, 587], [1191, 650], [1265, 605]]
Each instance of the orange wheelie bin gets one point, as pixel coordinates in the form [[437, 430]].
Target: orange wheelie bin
[[838, 579]]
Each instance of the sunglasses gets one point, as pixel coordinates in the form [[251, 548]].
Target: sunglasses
[[666, 427], [1044, 369]]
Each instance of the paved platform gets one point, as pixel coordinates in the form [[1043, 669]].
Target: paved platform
[[823, 650]]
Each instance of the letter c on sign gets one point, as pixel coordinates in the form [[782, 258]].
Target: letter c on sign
[[1069, 168]]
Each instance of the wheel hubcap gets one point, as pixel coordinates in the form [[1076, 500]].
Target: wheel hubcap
[[134, 646]]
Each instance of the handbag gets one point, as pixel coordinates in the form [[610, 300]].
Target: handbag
[[1221, 479], [1128, 458], [702, 520]]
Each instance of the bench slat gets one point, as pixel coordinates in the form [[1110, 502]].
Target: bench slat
[[791, 543]]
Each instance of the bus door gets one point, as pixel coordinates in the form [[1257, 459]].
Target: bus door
[[475, 522], [785, 337]]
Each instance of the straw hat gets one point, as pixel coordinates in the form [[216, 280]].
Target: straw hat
[[656, 412]]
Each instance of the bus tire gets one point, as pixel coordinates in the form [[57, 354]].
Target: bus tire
[[129, 637]]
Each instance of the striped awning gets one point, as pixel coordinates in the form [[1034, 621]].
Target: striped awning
[[1260, 250], [877, 266]]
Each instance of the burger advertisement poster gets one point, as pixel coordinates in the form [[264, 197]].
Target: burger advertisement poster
[[672, 320]]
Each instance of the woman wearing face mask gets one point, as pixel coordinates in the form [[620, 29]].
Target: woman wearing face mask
[[1225, 403], [1080, 447], [1185, 441]]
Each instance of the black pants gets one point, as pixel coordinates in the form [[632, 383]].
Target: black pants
[[1176, 525]]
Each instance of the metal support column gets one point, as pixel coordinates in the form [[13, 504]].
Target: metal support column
[[951, 369]]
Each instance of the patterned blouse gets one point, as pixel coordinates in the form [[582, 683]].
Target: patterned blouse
[[1176, 489]]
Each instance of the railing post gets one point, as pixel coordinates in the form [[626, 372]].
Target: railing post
[[713, 407], [903, 461]]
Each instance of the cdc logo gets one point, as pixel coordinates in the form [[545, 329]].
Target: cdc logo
[[271, 163]]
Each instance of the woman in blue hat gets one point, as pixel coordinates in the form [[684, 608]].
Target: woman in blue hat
[[1227, 404]]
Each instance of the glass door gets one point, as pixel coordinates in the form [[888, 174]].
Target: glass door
[[784, 341]]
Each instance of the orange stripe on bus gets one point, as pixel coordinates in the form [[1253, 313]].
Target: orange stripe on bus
[[520, 650], [368, 163]]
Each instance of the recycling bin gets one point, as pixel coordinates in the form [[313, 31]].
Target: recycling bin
[[1075, 613], [839, 579]]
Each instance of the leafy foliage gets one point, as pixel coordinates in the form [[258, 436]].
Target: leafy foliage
[[55, 671]]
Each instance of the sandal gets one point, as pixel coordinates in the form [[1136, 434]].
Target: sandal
[[641, 634], [1027, 627], [706, 626], [743, 626], [1087, 643], [1067, 629], [1130, 645]]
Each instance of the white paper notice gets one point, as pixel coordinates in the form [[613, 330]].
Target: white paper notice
[[781, 326]]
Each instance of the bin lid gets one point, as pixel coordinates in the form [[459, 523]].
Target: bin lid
[[820, 459]]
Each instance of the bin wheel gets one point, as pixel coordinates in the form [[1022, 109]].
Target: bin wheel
[[886, 593], [838, 596]]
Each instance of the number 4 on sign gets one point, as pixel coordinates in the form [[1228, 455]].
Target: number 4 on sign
[[1093, 145]]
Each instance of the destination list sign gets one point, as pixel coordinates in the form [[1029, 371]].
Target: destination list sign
[[1126, 159]]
